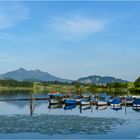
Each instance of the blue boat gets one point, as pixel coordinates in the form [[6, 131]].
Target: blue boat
[[70, 107], [136, 102], [70, 102], [116, 102]]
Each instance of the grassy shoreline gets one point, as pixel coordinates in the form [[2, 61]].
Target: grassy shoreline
[[65, 89]]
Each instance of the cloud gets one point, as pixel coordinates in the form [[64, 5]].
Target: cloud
[[12, 13], [76, 25], [5, 36]]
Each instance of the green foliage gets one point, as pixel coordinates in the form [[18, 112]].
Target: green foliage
[[78, 88], [117, 85], [74, 87], [92, 88], [14, 83], [137, 82], [130, 85]]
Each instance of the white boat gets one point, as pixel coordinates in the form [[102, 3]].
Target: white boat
[[85, 102], [136, 105], [54, 101], [78, 100], [101, 103]]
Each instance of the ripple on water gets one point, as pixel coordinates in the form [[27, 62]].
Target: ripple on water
[[58, 124]]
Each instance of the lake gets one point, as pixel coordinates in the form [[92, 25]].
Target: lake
[[38, 120]]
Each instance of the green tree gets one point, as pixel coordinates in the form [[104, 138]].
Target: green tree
[[92, 88], [137, 82], [78, 88]]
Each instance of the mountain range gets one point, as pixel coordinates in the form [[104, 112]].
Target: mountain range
[[22, 74], [100, 79]]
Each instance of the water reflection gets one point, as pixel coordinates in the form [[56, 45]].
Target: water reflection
[[70, 107], [101, 107], [32, 107], [40, 117], [55, 106], [137, 108], [87, 107], [117, 108]]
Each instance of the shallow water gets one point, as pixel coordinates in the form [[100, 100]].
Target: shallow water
[[18, 119]]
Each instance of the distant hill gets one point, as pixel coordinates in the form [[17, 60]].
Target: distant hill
[[22, 74], [31, 75], [100, 80]]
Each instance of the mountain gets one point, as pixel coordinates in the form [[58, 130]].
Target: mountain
[[100, 80], [37, 75], [31, 75]]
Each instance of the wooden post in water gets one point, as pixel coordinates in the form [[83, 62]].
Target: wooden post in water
[[32, 105], [91, 104], [125, 107]]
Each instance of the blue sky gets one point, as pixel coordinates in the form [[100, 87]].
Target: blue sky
[[71, 39]]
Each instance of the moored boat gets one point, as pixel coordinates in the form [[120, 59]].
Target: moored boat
[[54, 101], [70, 101], [136, 102], [55, 98], [101, 103], [127, 100], [116, 102], [85, 102], [54, 94]]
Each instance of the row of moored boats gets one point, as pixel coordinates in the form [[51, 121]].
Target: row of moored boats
[[98, 100]]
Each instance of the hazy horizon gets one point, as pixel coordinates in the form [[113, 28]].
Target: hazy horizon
[[71, 39]]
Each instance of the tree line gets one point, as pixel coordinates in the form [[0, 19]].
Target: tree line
[[14, 83], [77, 85]]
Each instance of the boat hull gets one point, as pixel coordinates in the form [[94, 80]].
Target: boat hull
[[116, 105], [54, 101], [85, 103], [70, 101], [136, 103], [101, 103], [116, 102]]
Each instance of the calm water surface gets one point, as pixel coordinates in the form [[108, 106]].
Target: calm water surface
[[19, 120]]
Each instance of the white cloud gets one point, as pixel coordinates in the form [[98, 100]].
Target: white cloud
[[12, 13], [76, 26]]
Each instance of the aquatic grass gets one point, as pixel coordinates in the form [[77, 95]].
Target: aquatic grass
[[58, 124]]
